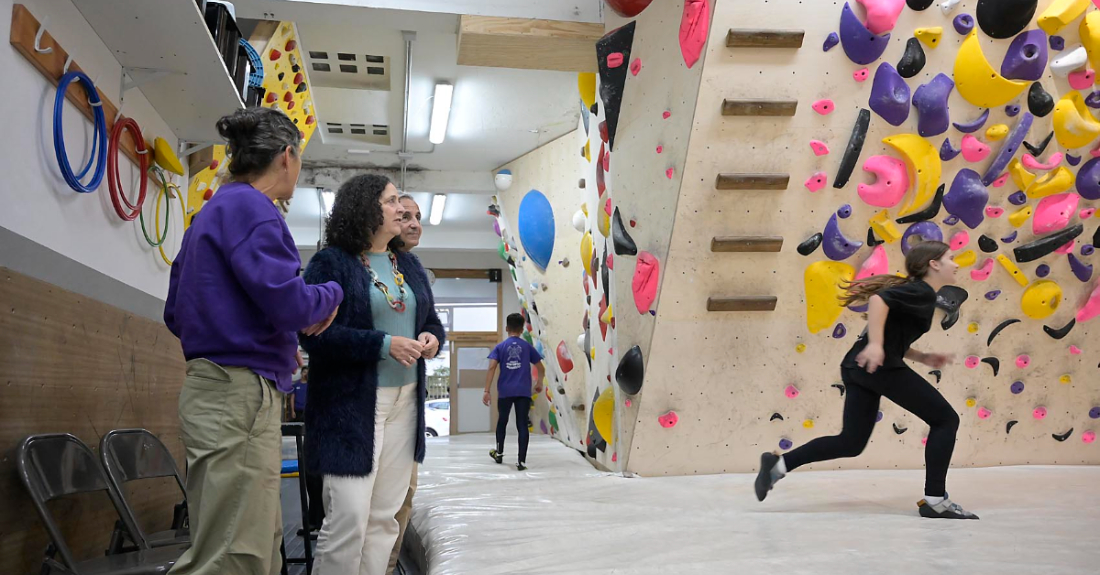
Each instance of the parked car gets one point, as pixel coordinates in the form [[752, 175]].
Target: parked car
[[437, 417]]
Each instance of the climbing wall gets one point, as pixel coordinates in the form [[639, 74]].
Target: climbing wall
[[750, 336]]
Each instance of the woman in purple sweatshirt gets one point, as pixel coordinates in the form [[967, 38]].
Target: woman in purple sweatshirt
[[236, 302]]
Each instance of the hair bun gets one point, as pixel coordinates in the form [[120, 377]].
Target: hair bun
[[238, 125]]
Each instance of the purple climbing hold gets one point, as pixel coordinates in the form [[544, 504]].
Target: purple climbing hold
[[1088, 180], [844, 211], [992, 295], [1042, 271], [1073, 160], [1093, 99], [1011, 110], [890, 95], [930, 100], [836, 246], [1008, 148], [878, 417], [1080, 269], [947, 151], [951, 220], [963, 23], [967, 198], [1009, 238], [1026, 58], [830, 41], [1057, 43], [1087, 249], [919, 232], [1094, 413], [785, 444], [1017, 199], [839, 331], [1017, 387], [973, 125], [859, 43]]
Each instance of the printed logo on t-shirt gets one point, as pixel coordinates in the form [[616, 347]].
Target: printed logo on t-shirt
[[513, 361]]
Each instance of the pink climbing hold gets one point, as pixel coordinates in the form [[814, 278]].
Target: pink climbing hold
[[615, 457], [972, 361], [1023, 360], [666, 114], [999, 182], [607, 162], [1088, 436], [924, 441], [984, 413], [824, 107], [1054, 212], [1074, 350], [614, 59], [861, 74], [891, 183], [636, 66], [660, 148], [694, 28], [627, 403], [820, 148], [1081, 79], [994, 211], [669, 173], [973, 149], [1068, 248], [611, 260], [647, 272], [668, 420], [981, 274], [1091, 308], [1086, 213], [878, 263], [1039, 412], [816, 182], [791, 392], [1031, 163], [959, 240], [882, 14]]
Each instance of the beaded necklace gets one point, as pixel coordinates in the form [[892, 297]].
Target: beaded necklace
[[398, 305]]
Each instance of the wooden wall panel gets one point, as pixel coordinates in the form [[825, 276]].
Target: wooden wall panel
[[72, 364]]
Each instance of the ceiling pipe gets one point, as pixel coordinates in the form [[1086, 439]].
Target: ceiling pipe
[[404, 154]]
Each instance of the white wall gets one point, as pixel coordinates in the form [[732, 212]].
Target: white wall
[[37, 204]]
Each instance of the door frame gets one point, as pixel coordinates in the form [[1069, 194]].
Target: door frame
[[469, 339]]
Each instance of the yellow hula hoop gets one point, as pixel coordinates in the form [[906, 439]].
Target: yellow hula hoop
[[183, 213]]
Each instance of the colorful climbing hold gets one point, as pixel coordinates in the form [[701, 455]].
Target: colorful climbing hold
[[823, 107], [815, 182]]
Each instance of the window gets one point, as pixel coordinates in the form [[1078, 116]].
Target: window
[[475, 318], [321, 67]]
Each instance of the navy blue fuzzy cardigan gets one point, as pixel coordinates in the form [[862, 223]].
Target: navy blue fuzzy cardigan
[[343, 365]]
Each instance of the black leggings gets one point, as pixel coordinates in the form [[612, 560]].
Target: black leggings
[[909, 391], [523, 407]]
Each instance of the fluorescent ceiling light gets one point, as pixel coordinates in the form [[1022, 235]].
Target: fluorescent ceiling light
[[441, 111], [436, 213], [328, 198]]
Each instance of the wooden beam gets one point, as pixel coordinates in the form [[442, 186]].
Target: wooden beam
[[741, 303], [465, 274], [528, 44], [748, 107], [752, 181], [746, 244], [764, 38]]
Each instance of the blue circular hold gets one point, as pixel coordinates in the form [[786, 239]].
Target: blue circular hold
[[1057, 43], [1017, 199], [951, 220], [1087, 249], [844, 211], [1042, 271], [536, 227], [785, 444], [878, 417], [1017, 387], [992, 295], [1094, 413]]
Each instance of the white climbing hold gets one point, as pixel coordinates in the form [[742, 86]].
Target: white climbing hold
[[948, 5], [580, 220], [1068, 62]]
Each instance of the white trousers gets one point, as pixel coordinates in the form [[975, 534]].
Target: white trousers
[[360, 527]]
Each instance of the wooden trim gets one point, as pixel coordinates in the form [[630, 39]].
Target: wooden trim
[[754, 107], [478, 337], [528, 43], [742, 303], [465, 274], [749, 38], [748, 244], [752, 181]]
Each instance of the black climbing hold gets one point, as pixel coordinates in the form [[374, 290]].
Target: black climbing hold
[[595, 109], [1043, 246], [295, 68], [624, 244], [1042, 147], [900, 430], [1004, 18], [855, 147], [494, 210], [588, 344], [776, 416], [1062, 331], [928, 213], [913, 60], [950, 300], [281, 74], [938, 374], [581, 183], [1096, 237], [613, 80], [1039, 102], [840, 386], [810, 244], [872, 241], [631, 371], [1008, 426], [301, 88], [604, 273], [1000, 328], [987, 244], [919, 5], [1062, 436], [583, 155], [994, 363]]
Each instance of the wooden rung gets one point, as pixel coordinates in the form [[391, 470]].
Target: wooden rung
[[752, 181], [759, 107], [752, 244], [764, 38], [742, 303]]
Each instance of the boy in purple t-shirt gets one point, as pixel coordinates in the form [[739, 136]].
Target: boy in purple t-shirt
[[515, 357]]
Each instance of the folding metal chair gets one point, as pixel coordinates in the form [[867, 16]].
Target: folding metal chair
[[132, 455]]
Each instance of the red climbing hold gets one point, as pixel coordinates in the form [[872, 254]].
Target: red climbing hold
[[299, 78], [270, 97], [291, 45], [636, 66], [214, 164], [310, 120], [290, 106], [288, 97], [603, 131], [275, 54], [669, 173], [614, 59], [628, 8], [209, 193], [666, 114]]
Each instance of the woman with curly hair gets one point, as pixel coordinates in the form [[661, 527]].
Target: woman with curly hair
[[900, 312], [365, 422]]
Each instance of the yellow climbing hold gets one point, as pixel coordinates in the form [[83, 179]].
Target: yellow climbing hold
[[603, 412], [808, 423], [586, 252], [165, 157], [586, 85], [971, 402], [1060, 13], [603, 222], [1050, 183], [607, 315], [977, 81], [1074, 125], [823, 291], [996, 132], [929, 36], [966, 258], [884, 227], [1090, 37], [923, 160], [1065, 379], [972, 327], [1012, 269], [800, 348], [1020, 216], [588, 151], [1041, 299], [1020, 176]]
